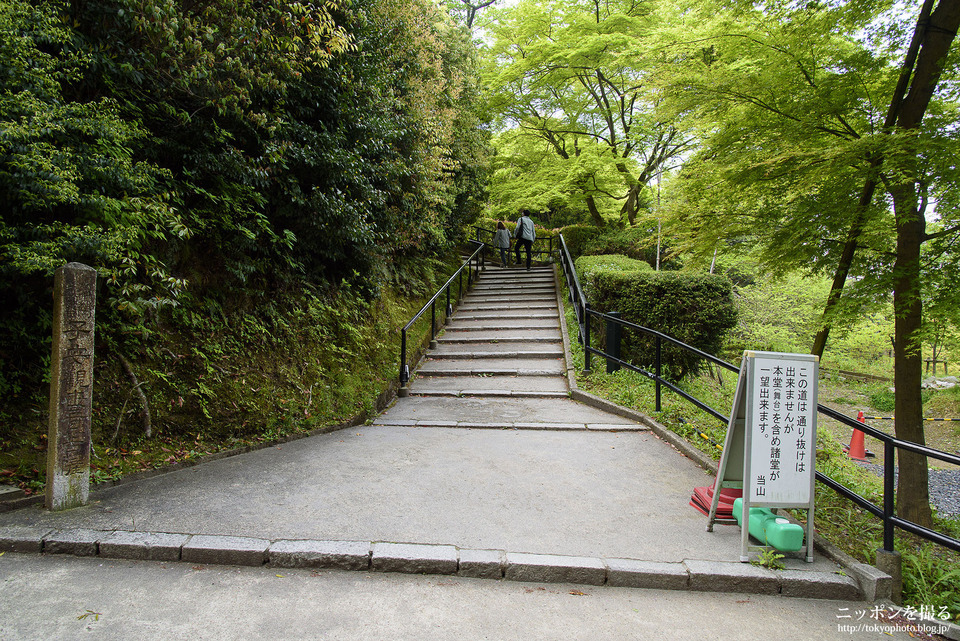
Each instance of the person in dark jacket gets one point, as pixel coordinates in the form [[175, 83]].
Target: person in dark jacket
[[525, 235]]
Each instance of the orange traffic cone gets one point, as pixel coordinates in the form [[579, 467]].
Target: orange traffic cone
[[856, 449]]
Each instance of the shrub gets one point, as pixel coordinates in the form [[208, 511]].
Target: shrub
[[577, 236], [588, 267], [696, 309], [636, 242]]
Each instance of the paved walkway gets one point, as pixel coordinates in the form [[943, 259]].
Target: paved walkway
[[487, 469]]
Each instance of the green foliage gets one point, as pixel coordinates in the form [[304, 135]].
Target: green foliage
[[769, 559], [696, 309], [571, 86], [636, 242], [590, 267], [165, 146], [577, 237], [930, 580], [779, 314]]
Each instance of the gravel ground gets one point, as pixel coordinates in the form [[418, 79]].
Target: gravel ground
[[944, 489]]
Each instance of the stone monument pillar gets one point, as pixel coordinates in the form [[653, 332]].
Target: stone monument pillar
[[71, 387]]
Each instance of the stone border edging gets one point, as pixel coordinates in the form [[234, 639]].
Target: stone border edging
[[434, 559]]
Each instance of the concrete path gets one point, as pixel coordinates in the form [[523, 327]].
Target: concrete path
[[487, 469], [68, 598]]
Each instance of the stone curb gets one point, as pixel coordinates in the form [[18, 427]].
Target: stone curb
[[225, 550], [474, 425], [433, 559]]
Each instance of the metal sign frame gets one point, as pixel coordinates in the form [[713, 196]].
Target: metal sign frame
[[770, 448]]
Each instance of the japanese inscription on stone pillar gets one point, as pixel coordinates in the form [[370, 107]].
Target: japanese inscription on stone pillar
[[71, 387]]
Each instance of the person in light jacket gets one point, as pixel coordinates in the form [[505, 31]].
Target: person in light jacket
[[525, 235], [502, 242]]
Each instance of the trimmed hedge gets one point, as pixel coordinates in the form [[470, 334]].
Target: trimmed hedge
[[697, 309], [588, 267]]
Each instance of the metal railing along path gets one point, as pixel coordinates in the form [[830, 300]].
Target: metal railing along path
[[891, 444], [472, 266]]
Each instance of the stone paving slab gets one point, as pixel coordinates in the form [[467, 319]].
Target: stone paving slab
[[441, 559], [78, 541], [513, 410], [633, 573], [551, 568], [482, 564], [724, 576]]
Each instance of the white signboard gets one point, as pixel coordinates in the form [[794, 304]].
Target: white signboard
[[770, 449], [781, 420]]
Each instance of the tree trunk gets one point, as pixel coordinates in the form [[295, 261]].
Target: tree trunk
[[843, 269], [913, 500], [595, 212]]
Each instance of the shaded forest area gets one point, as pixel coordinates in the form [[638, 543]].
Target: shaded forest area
[[263, 187]]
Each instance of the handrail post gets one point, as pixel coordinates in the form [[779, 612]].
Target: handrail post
[[404, 369], [613, 343], [586, 338], [449, 306], [433, 324], [659, 372], [889, 454], [404, 376]]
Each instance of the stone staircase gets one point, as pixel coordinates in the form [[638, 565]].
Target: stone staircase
[[503, 340]]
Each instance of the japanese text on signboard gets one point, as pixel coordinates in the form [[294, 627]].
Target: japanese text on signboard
[[783, 437]]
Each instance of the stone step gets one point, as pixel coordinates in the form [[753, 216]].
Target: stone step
[[519, 275], [486, 286], [475, 302], [480, 337], [513, 311], [509, 311], [496, 324], [493, 367], [501, 386], [473, 352]]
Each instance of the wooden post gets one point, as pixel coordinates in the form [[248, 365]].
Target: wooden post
[[71, 387]]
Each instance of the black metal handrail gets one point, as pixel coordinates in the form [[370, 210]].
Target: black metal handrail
[[472, 273], [891, 444]]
